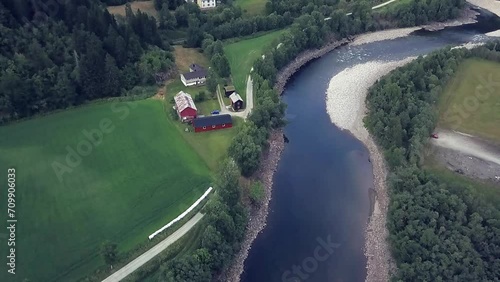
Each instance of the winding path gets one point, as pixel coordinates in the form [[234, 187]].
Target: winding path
[[154, 251]]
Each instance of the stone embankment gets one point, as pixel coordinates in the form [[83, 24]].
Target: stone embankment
[[302, 59], [258, 216]]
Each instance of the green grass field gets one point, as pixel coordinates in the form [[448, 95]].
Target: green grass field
[[142, 175], [471, 101], [244, 53], [252, 7]]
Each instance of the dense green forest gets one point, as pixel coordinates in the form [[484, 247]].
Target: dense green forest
[[438, 231], [52, 57]]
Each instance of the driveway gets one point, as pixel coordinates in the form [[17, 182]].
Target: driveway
[[249, 104], [154, 251]]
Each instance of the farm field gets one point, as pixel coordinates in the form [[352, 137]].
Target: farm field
[[141, 175], [471, 101], [242, 54], [147, 7], [252, 7]]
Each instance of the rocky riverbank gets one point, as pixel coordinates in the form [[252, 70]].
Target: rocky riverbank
[[346, 107], [258, 216], [302, 59]]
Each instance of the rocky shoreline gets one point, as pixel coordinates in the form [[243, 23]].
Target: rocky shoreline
[[346, 106], [258, 216], [304, 58]]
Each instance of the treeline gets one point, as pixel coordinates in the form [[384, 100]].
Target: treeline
[[221, 23], [301, 7], [438, 231], [227, 221], [63, 55], [418, 12]]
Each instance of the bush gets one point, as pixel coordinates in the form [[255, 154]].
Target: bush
[[257, 193], [202, 96]]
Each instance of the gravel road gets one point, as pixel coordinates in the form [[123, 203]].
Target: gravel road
[[468, 145], [249, 104], [151, 253]]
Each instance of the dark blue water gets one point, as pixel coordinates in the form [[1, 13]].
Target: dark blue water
[[320, 204]]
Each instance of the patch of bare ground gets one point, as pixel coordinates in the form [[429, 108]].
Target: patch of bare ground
[[160, 94], [147, 7], [467, 155], [187, 56]]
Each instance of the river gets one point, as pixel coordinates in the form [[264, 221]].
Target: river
[[321, 203]]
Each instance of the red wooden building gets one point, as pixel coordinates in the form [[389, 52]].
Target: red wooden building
[[184, 104], [214, 122]]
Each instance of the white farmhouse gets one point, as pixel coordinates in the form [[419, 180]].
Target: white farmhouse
[[197, 75], [204, 4]]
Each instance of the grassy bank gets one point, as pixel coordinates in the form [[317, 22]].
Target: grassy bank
[[243, 54], [140, 176]]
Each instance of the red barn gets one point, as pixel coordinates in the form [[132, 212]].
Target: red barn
[[214, 122], [184, 104]]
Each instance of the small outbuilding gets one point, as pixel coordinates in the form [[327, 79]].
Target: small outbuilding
[[236, 101], [214, 122], [185, 107], [228, 90]]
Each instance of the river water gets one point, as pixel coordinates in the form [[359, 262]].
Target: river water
[[320, 205]]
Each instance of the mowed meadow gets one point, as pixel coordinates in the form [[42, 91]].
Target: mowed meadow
[[141, 175], [243, 54], [471, 101]]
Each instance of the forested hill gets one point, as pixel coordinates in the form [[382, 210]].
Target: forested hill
[[59, 55], [440, 230]]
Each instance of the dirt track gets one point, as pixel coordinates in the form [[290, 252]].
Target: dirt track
[[467, 155], [468, 145]]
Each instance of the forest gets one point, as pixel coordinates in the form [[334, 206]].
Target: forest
[[439, 231], [54, 57]]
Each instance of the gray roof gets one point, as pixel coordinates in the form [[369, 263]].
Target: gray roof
[[195, 74], [196, 67], [212, 120]]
